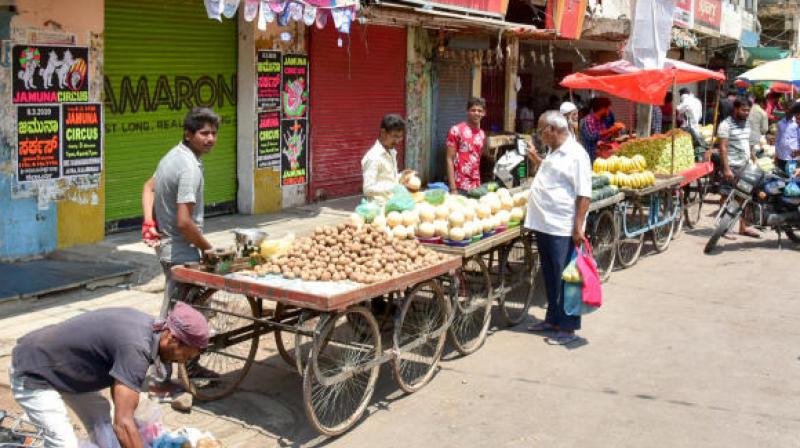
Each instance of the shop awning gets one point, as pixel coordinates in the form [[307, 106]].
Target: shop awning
[[783, 70], [759, 55], [622, 79]]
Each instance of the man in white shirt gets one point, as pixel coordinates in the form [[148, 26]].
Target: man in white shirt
[[557, 207], [691, 108], [379, 164]]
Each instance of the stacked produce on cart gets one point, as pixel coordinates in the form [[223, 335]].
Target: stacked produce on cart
[[602, 188], [362, 254], [657, 151], [624, 172], [439, 217]]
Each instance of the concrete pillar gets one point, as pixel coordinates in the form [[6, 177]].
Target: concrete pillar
[[644, 112], [245, 116], [512, 61], [477, 66]]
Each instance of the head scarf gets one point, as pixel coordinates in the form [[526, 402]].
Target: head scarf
[[186, 324]]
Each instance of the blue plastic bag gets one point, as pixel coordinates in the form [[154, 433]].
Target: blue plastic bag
[[792, 190]]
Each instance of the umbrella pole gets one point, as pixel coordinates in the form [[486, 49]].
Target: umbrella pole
[[716, 116], [674, 123]]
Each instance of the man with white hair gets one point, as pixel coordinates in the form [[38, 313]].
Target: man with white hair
[[559, 201]]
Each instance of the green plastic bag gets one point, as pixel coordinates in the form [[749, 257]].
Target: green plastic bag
[[400, 201], [435, 197], [368, 210]]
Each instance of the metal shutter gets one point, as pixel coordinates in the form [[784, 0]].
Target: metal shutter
[[453, 89], [186, 59], [352, 88]]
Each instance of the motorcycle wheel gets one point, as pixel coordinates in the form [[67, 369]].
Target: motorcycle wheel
[[725, 223]]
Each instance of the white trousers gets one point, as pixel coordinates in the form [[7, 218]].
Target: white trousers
[[48, 409]]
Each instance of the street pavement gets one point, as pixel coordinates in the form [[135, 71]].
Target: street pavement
[[688, 350]]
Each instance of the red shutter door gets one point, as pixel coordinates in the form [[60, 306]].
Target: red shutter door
[[351, 90]]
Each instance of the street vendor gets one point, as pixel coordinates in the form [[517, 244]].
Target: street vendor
[[379, 164], [787, 148], [465, 144], [69, 364], [593, 126]]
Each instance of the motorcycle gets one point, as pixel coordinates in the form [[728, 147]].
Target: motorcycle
[[760, 197]]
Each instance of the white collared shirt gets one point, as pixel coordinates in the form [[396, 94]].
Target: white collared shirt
[[564, 175], [379, 168]]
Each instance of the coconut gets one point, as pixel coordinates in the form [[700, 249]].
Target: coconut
[[517, 213], [506, 203], [399, 231], [393, 219], [440, 228], [456, 219], [427, 213], [426, 230], [410, 217], [414, 183], [457, 234], [379, 221], [483, 211], [503, 216], [442, 211]]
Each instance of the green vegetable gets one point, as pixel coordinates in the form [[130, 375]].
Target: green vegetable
[[479, 192], [492, 187]]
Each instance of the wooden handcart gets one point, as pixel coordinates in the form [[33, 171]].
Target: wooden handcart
[[652, 210], [339, 339], [602, 229], [501, 267]]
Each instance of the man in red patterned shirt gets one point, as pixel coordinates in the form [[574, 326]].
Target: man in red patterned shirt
[[465, 143]]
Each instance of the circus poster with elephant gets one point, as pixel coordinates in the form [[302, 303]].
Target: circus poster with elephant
[[50, 74]]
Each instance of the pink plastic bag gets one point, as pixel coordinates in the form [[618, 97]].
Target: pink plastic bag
[[592, 291]]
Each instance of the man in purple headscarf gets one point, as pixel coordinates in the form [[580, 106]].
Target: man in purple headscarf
[[70, 363]]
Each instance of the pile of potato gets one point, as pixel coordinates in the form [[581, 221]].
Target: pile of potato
[[363, 254]]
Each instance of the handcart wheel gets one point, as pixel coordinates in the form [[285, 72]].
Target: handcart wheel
[[340, 375], [630, 247], [308, 321], [603, 238], [517, 283], [419, 335], [665, 207], [693, 196], [232, 347], [471, 290]]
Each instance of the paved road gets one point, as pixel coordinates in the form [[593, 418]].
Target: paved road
[[689, 350]]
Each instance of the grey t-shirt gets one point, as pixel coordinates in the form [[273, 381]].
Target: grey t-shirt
[[738, 136], [179, 180], [89, 352]]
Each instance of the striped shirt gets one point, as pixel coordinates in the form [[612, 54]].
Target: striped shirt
[[737, 133]]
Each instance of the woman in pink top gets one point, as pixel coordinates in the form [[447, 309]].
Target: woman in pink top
[[465, 143]]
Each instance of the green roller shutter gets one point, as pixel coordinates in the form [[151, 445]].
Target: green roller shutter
[[163, 57]]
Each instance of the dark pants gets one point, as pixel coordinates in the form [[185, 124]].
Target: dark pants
[[555, 253]]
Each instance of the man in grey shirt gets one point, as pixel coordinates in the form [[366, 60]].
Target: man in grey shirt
[[172, 200], [734, 149], [70, 363]]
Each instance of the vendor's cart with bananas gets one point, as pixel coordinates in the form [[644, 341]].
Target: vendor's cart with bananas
[[349, 299]]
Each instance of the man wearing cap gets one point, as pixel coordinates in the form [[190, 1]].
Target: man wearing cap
[[570, 112], [70, 363]]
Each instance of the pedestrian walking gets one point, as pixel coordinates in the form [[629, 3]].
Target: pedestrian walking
[[69, 364], [557, 208]]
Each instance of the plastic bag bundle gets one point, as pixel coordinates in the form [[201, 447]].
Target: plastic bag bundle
[[792, 190], [400, 201], [368, 210]]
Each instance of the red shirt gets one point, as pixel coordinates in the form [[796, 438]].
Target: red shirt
[[468, 143]]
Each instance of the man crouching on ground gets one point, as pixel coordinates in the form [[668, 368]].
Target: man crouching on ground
[[72, 362]]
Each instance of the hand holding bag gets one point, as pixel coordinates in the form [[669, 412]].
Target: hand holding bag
[[592, 292]]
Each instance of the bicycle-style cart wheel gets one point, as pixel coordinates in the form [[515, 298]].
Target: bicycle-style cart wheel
[[419, 335], [232, 347], [471, 293], [662, 218], [339, 377], [518, 267], [693, 196], [629, 246], [603, 237], [294, 347]]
